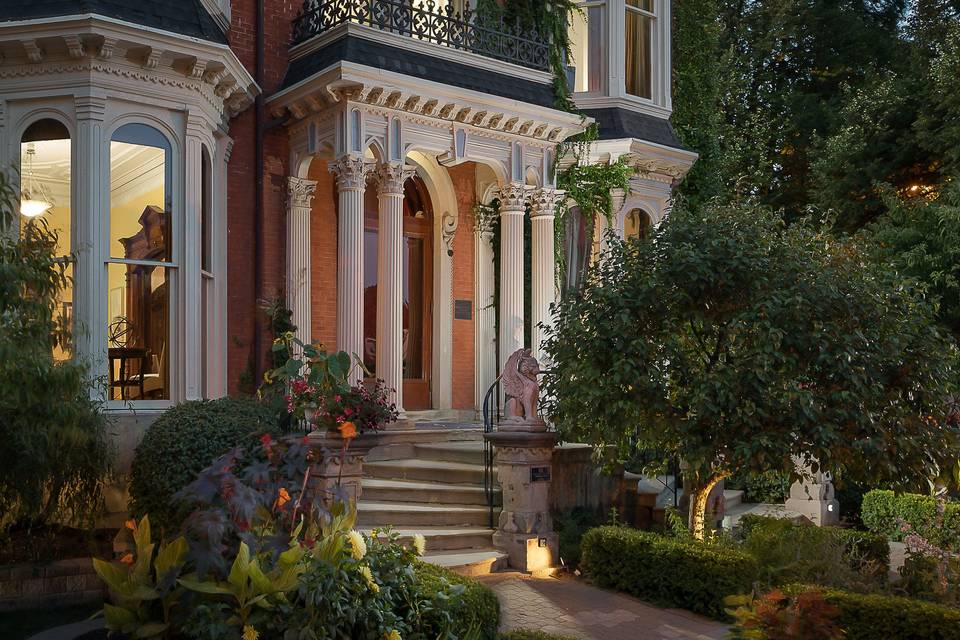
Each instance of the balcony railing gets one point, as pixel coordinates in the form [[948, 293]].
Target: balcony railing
[[427, 21]]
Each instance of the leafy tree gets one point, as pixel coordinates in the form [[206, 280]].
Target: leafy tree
[[737, 342], [54, 453], [920, 238]]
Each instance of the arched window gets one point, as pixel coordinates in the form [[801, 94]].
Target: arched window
[[636, 225], [578, 247], [141, 269], [45, 193]]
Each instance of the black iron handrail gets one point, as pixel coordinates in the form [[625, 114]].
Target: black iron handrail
[[491, 417], [466, 30]]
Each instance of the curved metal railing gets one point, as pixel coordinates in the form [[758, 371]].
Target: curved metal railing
[[491, 418]]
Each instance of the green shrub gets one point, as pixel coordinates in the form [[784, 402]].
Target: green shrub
[[798, 552], [881, 509], [478, 610], [767, 487], [525, 634], [880, 617], [182, 442], [675, 572], [570, 526]]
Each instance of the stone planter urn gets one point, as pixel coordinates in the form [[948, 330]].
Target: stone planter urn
[[326, 470]]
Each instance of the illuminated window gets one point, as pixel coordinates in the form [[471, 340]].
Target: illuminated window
[[638, 24], [141, 270], [45, 195], [637, 225], [589, 48]]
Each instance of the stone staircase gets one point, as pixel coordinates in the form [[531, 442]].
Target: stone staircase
[[434, 488]]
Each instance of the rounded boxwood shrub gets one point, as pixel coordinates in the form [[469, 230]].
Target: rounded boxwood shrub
[[478, 612], [881, 509], [183, 441], [881, 617], [675, 572]]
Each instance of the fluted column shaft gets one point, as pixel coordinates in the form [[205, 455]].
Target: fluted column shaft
[[512, 208], [299, 197], [543, 280], [351, 174], [390, 179]]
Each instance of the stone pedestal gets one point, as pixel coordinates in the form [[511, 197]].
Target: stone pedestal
[[814, 498], [525, 530], [326, 449]]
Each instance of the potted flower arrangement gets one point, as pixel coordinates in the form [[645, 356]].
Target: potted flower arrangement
[[319, 393]]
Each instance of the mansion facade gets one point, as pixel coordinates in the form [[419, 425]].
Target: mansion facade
[[202, 157]]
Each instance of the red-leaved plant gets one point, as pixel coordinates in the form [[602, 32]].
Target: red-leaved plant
[[775, 616]]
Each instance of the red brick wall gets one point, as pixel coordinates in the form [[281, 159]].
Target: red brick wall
[[245, 319], [463, 177], [323, 256]]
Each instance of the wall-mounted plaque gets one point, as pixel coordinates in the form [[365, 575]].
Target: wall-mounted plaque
[[462, 310]]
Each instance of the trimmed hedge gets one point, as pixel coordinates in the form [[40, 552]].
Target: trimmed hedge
[[671, 571], [879, 617], [479, 609], [881, 509], [860, 545], [183, 441]]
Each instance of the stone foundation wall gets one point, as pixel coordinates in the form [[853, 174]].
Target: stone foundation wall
[[579, 482], [55, 584]]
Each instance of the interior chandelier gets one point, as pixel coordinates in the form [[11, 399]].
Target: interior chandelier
[[33, 201]]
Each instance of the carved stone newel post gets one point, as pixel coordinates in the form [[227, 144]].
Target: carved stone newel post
[[524, 455], [813, 496], [326, 451]]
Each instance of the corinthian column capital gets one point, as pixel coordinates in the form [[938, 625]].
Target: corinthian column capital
[[544, 202], [513, 196], [300, 191], [350, 171], [391, 176]]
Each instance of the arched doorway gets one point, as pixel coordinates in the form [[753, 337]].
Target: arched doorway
[[417, 291], [637, 225]]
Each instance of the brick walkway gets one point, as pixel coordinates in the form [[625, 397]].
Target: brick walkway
[[568, 606]]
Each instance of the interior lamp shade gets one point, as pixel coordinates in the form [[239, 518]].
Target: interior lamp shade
[[31, 208]]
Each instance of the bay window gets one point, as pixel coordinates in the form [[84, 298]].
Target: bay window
[[45, 153], [589, 48], [141, 270]]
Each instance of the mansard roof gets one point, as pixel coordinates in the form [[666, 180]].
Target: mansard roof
[[615, 123], [184, 17]]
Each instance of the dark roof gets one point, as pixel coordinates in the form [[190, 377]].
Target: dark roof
[[616, 123], [419, 65], [186, 17]]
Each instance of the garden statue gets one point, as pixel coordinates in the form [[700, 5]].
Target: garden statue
[[521, 389]]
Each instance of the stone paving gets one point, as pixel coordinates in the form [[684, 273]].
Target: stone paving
[[571, 607]]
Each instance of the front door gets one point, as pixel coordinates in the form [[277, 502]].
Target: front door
[[417, 267]]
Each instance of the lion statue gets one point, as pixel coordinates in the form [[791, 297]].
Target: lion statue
[[521, 388]]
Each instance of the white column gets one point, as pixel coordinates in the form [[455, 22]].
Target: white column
[[485, 333], [512, 205], [192, 310], [351, 174], [543, 279], [90, 168], [299, 197], [391, 177]]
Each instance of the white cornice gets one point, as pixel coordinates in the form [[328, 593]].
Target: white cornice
[[183, 54], [347, 81], [418, 46], [639, 105]]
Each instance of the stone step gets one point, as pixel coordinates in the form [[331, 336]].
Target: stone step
[[472, 563], [732, 497], [426, 471], [407, 514], [462, 452], [381, 490], [731, 517], [446, 538]]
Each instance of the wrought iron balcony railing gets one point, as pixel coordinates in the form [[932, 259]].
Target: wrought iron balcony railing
[[428, 21]]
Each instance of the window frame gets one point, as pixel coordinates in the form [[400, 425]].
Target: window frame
[[173, 171]]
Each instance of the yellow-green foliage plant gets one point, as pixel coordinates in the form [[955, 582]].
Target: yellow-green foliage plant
[[143, 584]]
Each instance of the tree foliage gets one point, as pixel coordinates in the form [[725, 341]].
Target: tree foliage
[[54, 453], [737, 343]]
